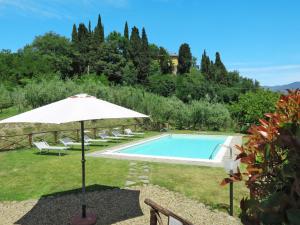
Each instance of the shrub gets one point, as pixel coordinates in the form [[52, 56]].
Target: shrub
[[5, 99], [212, 116], [252, 106], [164, 85]]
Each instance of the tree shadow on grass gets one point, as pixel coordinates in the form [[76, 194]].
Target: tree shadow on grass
[[110, 204]]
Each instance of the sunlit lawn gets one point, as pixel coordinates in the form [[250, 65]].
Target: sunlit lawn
[[198, 182], [28, 174], [25, 174]]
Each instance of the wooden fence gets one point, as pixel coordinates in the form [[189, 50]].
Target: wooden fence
[[156, 210], [10, 142]]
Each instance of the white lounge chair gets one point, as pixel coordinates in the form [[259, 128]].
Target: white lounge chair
[[68, 142], [104, 136], [87, 139], [118, 134], [44, 146], [129, 131]]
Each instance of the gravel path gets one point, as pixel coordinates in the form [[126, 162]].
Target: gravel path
[[115, 206]]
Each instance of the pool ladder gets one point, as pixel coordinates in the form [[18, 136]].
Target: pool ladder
[[217, 145]]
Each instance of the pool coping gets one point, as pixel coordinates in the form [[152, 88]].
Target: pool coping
[[216, 162]]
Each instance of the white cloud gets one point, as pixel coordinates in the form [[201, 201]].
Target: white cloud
[[271, 75], [270, 69]]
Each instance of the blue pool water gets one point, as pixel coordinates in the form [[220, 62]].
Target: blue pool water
[[182, 146]]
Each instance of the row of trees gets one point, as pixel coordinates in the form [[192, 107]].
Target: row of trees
[[126, 59], [113, 55], [202, 113]]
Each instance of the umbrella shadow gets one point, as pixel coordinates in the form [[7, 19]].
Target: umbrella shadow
[[110, 204]]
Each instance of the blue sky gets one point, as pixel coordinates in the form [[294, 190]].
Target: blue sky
[[260, 38]]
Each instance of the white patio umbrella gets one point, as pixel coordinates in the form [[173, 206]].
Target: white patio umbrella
[[78, 108]]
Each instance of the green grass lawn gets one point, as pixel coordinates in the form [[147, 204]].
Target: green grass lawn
[[198, 182], [25, 174]]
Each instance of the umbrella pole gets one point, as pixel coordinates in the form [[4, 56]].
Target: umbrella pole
[[84, 218], [83, 171]]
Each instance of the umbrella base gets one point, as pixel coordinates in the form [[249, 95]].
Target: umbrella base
[[90, 219]]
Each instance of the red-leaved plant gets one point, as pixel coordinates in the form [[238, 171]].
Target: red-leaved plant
[[272, 158]]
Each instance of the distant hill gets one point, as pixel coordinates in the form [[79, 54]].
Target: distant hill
[[283, 88]]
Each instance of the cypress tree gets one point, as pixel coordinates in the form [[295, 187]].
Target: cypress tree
[[184, 59], [90, 29], [135, 45], [139, 53], [99, 20], [205, 63], [82, 61], [219, 69], [126, 43], [144, 39], [165, 61], [74, 34], [144, 61], [126, 32], [102, 34], [82, 32], [99, 31], [218, 62]]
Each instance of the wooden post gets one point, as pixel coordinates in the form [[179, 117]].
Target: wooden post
[[55, 134], [77, 135], [123, 129], [134, 127], [95, 132], [30, 140], [153, 219]]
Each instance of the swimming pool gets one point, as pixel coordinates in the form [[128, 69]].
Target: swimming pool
[[206, 148]]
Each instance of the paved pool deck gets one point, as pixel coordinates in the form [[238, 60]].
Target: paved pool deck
[[109, 153]]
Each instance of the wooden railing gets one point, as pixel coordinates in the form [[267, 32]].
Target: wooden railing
[[10, 142], [156, 210]]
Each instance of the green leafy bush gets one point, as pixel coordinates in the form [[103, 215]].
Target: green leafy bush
[[164, 85], [212, 116], [252, 106], [5, 99]]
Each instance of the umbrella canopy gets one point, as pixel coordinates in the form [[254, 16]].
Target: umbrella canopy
[[77, 108], [80, 107]]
